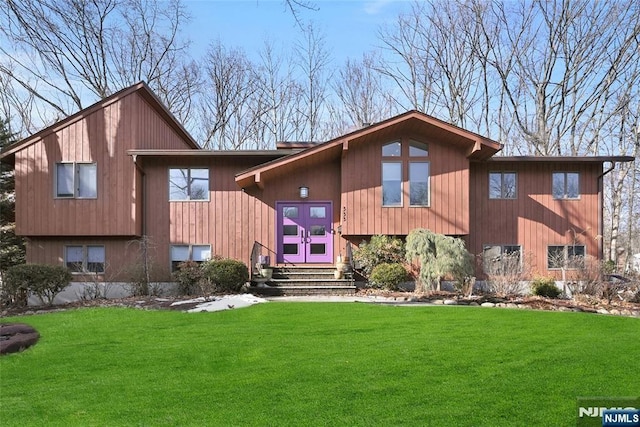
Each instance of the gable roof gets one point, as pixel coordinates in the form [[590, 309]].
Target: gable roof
[[477, 146], [8, 153]]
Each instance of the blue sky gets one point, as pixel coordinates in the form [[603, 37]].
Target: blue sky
[[349, 26]]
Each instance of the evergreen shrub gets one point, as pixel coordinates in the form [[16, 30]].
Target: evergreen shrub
[[380, 249], [45, 281], [388, 276], [545, 287], [226, 275]]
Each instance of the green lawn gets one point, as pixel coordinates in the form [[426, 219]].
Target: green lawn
[[317, 364]]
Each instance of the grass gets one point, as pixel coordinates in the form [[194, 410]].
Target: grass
[[317, 364]]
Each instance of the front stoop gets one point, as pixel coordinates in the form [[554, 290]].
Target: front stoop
[[304, 280]]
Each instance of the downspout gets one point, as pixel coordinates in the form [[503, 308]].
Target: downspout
[[601, 209], [143, 211], [143, 193]]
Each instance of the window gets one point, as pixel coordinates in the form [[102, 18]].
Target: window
[[418, 149], [503, 185], [393, 175], [182, 253], [566, 185], [84, 258], [502, 259], [76, 180], [393, 149], [567, 256], [188, 184], [419, 183], [391, 184], [317, 212]]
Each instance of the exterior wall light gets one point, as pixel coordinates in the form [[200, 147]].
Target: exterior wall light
[[304, 192]]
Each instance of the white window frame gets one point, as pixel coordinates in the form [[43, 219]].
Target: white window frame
[[84, 262], [78, 181], [190, 254], [189, 184]]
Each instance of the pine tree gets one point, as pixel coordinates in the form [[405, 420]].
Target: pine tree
[[12, 249]]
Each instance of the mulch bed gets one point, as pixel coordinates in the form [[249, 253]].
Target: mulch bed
[[591, 305], [15, 337]]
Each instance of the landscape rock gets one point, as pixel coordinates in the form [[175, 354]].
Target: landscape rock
[[450, 302], [487, 304]]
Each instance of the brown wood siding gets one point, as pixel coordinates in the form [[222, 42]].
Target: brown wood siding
[[102, 137], [448, 212], [121, 255], [534, 219], [233, 219]]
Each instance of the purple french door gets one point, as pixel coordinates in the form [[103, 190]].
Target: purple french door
[[304, 232]]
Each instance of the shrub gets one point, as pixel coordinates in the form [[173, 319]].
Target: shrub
[[388, 276], [226, 275], [380, 249], [505, 272], [46, 281], [188, 277], [545, 287], [440, 257]]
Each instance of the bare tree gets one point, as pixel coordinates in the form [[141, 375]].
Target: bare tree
[[17, 108], [278, 91], [435, 64], [229, 106], [359, 88], [408, 69], [313, 59], [623, 138], [559, 63], [67, 53], [296, 6]]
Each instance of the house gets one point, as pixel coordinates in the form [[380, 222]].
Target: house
[[123, 168]]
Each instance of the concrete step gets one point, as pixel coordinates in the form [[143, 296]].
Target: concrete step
[[305, 280], [275, 290]]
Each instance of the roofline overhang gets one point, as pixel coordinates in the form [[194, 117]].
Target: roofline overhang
[[561, 159], [254, 175], [211, 153]]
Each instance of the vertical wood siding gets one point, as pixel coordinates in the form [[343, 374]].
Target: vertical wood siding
[[448, 212], [233, 219], [535, 220], [121, 254], [102, 136]]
